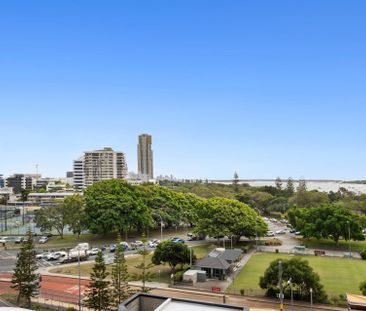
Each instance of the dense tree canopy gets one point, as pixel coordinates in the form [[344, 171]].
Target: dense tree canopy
[[327, 221], [302, 278], [172, 253], [115, 205], [220, 216]]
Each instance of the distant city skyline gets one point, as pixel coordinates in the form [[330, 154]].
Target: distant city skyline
[[264, 88]]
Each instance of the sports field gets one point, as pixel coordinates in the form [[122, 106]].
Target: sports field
[[338, 275]]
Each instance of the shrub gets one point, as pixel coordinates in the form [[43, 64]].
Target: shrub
[[242, 291], [363, 254], [178, 277]]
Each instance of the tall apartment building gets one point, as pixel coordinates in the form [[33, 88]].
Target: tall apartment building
[[78, 174], [145, 157], [2, 181], [22, 181], [99, 165]]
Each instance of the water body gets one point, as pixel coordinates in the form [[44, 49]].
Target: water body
[[320, 185]]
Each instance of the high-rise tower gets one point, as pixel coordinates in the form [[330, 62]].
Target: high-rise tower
[[145, 157]]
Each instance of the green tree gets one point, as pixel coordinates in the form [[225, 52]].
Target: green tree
[[236, 182], [114, 205], [290, 188], [98, 295], [76, 217], [121, 290], [278, 183], [302, 278], [307, 199], [363, 288], [220, 216], [52, 217], [25, 279], [173, 254], [144, 266], [328, 221]]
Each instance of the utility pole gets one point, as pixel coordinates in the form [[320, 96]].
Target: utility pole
[[79, 280], [281, 284]]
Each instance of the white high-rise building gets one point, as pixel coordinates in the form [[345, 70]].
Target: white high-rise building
[[78, 174], [99, 165], [145, 157]]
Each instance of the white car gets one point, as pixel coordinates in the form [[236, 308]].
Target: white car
[[137, 244], [153, 243], [94, 251], [44, 256], [281, 232], [56, 255], [43, 240], [4, 239], [270, 234]]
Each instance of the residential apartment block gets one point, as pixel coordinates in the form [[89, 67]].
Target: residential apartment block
[[22, 181], [145, 157], [99, 165]]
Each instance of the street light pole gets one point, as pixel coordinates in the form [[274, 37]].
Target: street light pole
[[281, 285], [349, 238], [311, 298], [79, 280], [292, 294], [190, 257]]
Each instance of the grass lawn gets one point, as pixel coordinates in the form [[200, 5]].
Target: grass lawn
[[132, 261], [338, 275], [331, 245]]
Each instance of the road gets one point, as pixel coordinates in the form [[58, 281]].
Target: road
[[66, 289]]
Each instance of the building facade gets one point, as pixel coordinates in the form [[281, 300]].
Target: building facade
[[99, 165], [22, 181], [145, 157], [78, 174], [2, 181]]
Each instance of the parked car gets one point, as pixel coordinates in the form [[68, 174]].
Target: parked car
[[178, 240], [18, 239], [137, 244], [44, 255], [5, 239], [270, 233], [94, 251], [56, 255], [280, 231], [124, 245], [112, 248], [43, 240], [297, 233], [293, 230], [153, 243]]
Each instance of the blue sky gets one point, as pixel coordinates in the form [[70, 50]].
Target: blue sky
[[266, 88]]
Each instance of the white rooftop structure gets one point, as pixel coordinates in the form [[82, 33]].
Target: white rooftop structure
[[172, 305]]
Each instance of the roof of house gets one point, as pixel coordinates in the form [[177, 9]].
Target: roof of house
[[213, 262], [229, 254]]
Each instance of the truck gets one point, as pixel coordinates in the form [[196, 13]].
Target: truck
[[74, 255], [80, 250]]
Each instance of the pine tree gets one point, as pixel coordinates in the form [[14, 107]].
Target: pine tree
[[25, 279], [144, 267], [278, 183], [290, 188], [236, 182], [120, 276], [98, 296]]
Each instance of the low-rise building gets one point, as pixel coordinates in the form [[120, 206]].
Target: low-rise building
[[150, 302], [220, 262]]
